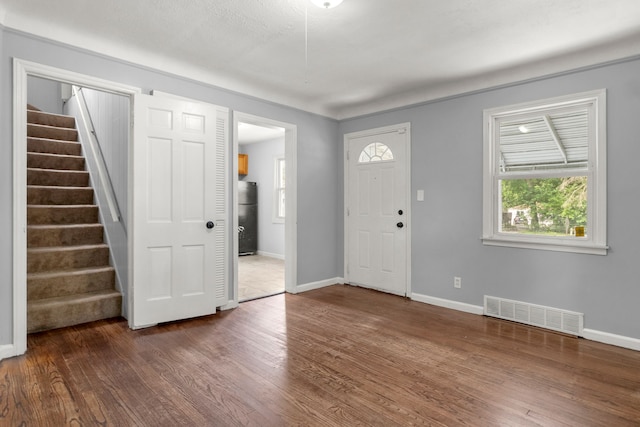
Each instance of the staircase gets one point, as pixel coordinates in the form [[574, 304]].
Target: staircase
[[69, 279]]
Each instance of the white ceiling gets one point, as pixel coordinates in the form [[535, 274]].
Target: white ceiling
[[360, 57], [249, 133]]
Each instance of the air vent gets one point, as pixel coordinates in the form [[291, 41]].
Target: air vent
[[556, 319]]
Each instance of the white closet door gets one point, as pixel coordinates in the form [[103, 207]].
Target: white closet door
[[179, 217]]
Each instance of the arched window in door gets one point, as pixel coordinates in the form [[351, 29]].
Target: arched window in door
[[375, 152]]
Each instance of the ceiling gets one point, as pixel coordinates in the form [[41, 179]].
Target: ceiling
[[360, 57]]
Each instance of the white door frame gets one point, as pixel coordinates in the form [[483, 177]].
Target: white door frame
[[21, 71], [291, 216], [372, 132]]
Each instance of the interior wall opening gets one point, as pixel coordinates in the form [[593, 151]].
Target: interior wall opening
[[261, 210]]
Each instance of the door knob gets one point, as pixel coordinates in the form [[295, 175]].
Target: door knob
[[400, 212], [210, 225], [399, 225]]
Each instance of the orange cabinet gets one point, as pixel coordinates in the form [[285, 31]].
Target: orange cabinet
[[243, 164]]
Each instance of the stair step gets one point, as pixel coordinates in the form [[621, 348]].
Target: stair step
[[50, 195], [50, 119], [61, 258], [63, 283], [39, 236], [55, 161], [57, 178], [62, 214], [53, 146], [51, 132], [58, 312], [33, 108]]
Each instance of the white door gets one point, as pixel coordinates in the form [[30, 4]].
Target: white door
[[377, 209], [179, 209]]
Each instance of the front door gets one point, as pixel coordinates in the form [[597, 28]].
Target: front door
[[377, 208], [180, 254]]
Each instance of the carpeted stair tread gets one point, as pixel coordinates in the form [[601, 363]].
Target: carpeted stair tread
[[58, 258], [53, 146], [53, 195], [69, 279], [51, 132], [57, 178], [55, 161], [69, 282], [50, 119], [62, 214], [64, 235], [58, 312]]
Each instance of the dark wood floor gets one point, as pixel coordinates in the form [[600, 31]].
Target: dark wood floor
[[338, 356]]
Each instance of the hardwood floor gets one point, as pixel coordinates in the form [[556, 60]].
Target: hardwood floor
[[337, 356]]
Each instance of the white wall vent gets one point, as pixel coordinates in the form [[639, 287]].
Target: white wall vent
[[556, 319]]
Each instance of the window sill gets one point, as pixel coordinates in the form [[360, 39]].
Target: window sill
[[560, 246]]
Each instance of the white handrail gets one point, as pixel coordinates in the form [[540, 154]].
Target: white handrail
[[103, 173]]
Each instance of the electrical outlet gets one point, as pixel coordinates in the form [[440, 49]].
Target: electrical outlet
[[457, 282]]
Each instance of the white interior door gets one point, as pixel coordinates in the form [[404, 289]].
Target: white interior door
[[377, 211], [179, 209]]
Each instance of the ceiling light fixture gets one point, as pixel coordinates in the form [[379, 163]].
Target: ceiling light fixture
[[326, 4]]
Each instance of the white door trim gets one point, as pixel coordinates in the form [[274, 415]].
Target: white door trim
[[370, 132], [21, 71], [291, 218]]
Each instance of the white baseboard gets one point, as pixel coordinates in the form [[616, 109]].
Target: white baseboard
[[454, 305], [590, 334], [607, 338], [228, 306], [6, 351], [317, 285], [270, 255]]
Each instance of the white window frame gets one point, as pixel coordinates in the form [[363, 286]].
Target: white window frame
[[596, 240], [277, 218]]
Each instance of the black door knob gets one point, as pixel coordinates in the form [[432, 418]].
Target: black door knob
[[400, 212], [399, 225], [210, 225]]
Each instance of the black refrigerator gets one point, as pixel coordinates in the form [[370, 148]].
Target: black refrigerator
[[247, 217]]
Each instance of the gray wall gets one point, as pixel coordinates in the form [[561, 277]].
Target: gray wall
[[446, 162], [262, 156], [319, 212], [45, 95]]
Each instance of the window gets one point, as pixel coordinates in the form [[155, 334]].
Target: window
[[279, 190], [545, 174], [375, 152]]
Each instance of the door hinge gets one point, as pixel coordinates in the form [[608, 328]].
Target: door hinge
[[347, 155], [348, 212]]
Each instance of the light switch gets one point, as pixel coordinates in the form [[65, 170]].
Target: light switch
[[420, 195]]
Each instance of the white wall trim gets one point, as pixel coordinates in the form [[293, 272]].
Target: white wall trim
[[270, 255], [454, 305], [7, 351], [613, 339], [230, 305], [320, 284], [589, 334]]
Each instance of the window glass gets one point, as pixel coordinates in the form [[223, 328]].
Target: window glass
[[545, 174], [375, 152]]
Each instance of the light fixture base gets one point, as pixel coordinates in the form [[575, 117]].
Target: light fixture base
[[326, 4]]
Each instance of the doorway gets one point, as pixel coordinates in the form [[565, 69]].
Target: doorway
[[22, 71], [378, 205], [264, 207]]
